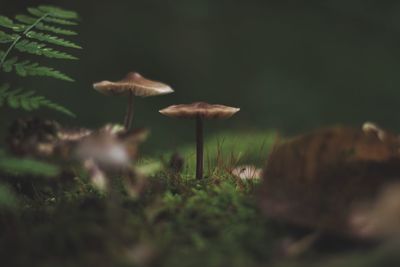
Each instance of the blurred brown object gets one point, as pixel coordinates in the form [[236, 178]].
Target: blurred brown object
[[109, 145], [314, 179], [102, 152], [31, 136]]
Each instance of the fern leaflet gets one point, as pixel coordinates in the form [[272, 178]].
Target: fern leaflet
[[51, 39], [8, 23], [40, 49], [28, 101], [58, 12], [27, 68], [41, 26], [7, 38], [36, 12]]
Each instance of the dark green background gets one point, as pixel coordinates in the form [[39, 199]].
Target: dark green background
[[291, 65]]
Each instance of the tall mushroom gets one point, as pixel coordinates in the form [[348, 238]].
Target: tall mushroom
[[133, 84], [199, 111]]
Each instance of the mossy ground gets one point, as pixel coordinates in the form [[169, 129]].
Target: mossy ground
[[178, 221]]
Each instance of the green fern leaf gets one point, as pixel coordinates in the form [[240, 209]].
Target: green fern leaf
[[7, 38], [58, 12], [51, 39], [56, 30], [36, 12], [25, 100], [8, 64], [59, 108], [6, 22], [41, 26], [60, 21], [26, 28], [26, 19], [36, 48], [26, 68], [13, 99], [28, 101], [36, 103], [9, 23]]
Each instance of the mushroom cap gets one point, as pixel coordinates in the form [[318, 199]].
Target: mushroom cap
[[201, 109], [135, 83], [247, 172]]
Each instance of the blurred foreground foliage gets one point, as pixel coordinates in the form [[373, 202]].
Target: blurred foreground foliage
[[26, 166], [177, 221]]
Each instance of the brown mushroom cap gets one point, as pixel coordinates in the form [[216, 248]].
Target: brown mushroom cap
[[135, 83], [204, 110]]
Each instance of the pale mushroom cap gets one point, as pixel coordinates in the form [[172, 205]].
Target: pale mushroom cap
[[247, 172], [201, 109], [135, 83]]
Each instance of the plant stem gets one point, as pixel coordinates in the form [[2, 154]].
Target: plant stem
[[27, 30], [129, 112], [199, 147]]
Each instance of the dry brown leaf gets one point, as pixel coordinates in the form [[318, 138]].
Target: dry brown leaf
[[313, 180]]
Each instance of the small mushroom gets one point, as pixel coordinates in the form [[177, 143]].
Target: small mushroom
[[199, 111], [133, 84], [247, 172]]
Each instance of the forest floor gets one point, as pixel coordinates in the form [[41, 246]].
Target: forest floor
[[177, 221]]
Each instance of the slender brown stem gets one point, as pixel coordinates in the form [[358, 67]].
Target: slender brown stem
[[129, 112], [199, 147]]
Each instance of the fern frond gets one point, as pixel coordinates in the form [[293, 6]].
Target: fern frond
[[36, 12], [51, 39], [30, 24], [41, 26], [19, 37], [36, 48], [23, 166], [28, 101], [27, 68]]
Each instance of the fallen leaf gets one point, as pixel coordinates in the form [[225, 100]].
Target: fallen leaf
[[312, 180]]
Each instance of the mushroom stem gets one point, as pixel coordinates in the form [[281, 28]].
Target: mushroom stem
[[199, 147], [129, 112]]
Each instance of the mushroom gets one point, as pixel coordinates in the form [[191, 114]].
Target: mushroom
[[247, 172], [133, 84], [199, 111]]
